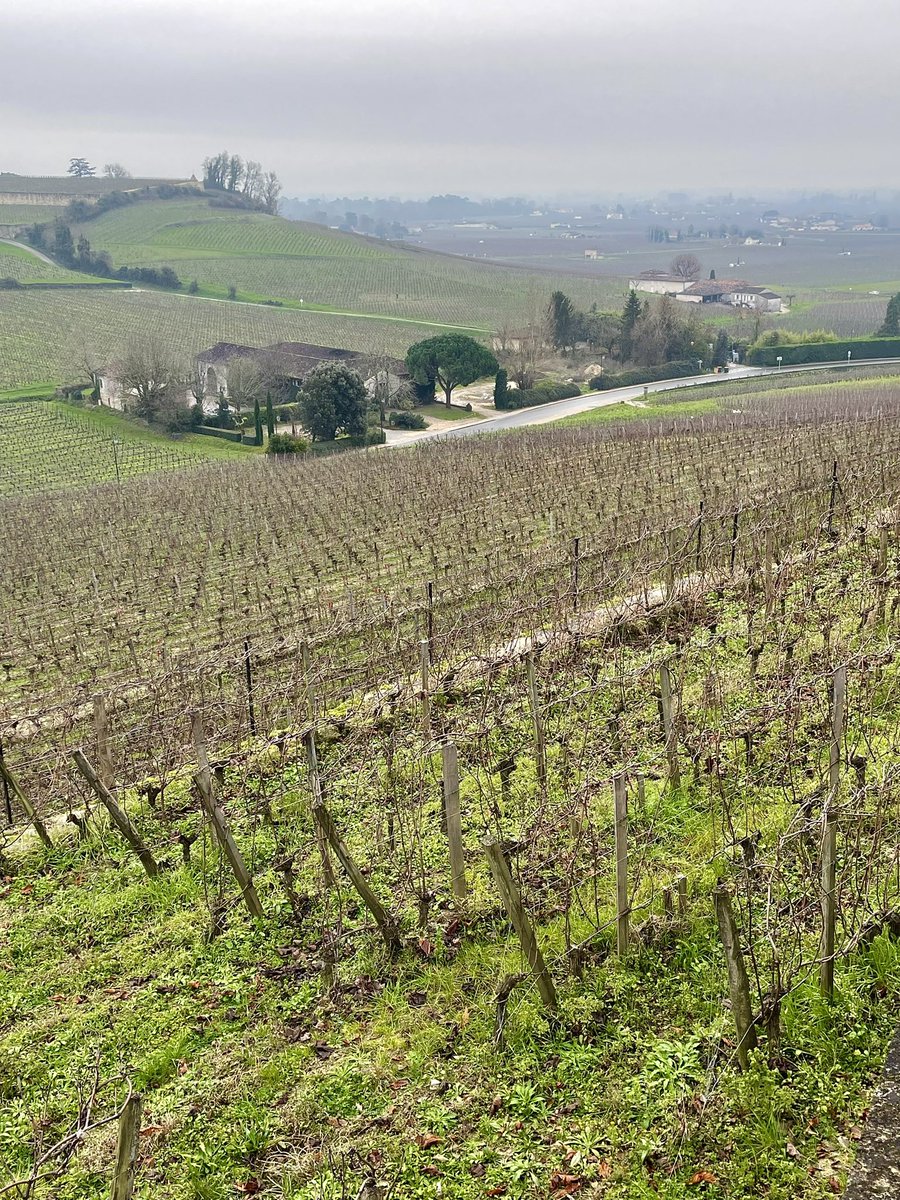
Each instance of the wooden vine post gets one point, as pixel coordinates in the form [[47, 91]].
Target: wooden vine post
[[219, 824], [117, 815], [388, 929], [829, 837], [30, 811], [515, 910], [623, 909], [668, 716], [127, 1149], [450, 776], [537, 723], [738, 983], [315, 787]]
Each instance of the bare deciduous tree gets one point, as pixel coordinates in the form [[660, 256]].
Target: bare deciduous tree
[[115, 170], [686, 266], [152, 383]]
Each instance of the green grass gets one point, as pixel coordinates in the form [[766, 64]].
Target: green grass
[[440, 412], [23, 265], [644, 410]]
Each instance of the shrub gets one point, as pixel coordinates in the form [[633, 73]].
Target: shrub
[[671, 370], [232, 293], [407, 420], [284, 443], [542, 393], [8, 284]]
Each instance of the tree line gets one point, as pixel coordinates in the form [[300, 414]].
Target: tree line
[[244, 181], [57, 241]]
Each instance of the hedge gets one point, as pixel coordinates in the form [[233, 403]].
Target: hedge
[[543, 393], [813, 352], [672, 370], [228, 435]]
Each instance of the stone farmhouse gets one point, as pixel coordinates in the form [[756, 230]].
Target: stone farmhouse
[[735, 292], [288, 361]]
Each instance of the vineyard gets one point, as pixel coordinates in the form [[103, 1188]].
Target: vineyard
[[25, 267], [290, 260], [46, 446], [50, 335], [534, 835]]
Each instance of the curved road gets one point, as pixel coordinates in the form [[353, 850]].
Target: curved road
[[544, 413]]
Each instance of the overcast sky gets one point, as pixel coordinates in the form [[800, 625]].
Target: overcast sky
[[414, 97]]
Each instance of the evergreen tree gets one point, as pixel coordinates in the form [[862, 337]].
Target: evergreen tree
[[501, 391], [257, 421], [891, 325], [721, 349], [561, 318], [631, 314], [270, 415]]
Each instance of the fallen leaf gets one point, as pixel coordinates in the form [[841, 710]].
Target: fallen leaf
[[250, 1188], [431, 1169], [497, 1191], [496, 1104], [476, 1170], [702, 1177], [855, 1133], [835, 1184], [427, 1140], [563, 1185], [792, 1151], [416, 999], [426, 946], [603, 1169], [150, 1130]]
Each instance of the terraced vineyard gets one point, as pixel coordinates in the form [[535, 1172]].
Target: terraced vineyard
[[49, 335]]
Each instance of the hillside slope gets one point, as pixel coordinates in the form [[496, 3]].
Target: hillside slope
[[270, 257]]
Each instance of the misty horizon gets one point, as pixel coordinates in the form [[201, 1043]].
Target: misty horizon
[[407, 99]]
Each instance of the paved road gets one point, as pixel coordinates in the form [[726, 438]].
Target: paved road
[[544, 413], [29, 249]]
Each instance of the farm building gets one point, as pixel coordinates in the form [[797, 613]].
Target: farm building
[[736, 292], [660, 283], [288, 361]]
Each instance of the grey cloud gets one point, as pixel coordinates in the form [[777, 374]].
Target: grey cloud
[[397, 96]]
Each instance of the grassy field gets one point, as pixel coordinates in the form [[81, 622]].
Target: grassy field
[[48, 445], [304, 1054], [19, 263]]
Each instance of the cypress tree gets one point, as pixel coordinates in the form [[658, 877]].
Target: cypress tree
[[891, 326], [257, 421], [270, 415], [500, 389]]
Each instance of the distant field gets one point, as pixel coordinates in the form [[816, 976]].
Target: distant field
[[806, 261], [45, 446], [272, 257], [69, 185], [47, 335], [28, 214]]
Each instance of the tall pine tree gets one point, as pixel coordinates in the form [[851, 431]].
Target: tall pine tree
[[630, 315]]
